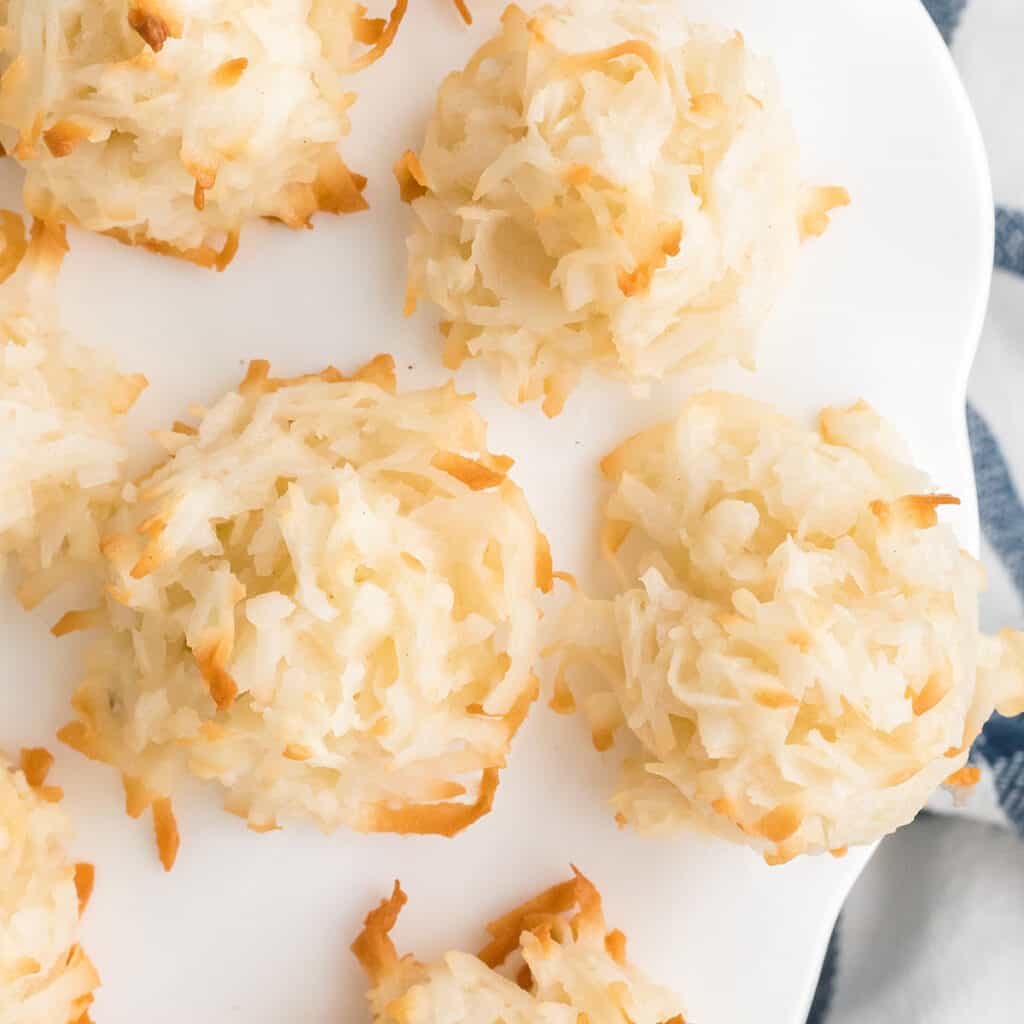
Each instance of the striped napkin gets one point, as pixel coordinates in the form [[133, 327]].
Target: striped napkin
[[934, 931]]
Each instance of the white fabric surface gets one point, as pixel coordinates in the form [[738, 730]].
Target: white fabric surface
[[934, 932]]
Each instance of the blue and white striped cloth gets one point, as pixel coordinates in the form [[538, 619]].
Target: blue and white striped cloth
[[934, 931]]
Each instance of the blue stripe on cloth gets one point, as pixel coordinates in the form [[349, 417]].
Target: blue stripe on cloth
[[1001, 744], [826, 980], [1002, 514], [1010, 240], [946, 14]]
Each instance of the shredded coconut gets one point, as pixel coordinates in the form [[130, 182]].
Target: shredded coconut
[[325, 600], [606, 184], [172, 123], [573, 969], [795, 646], [45, 977]]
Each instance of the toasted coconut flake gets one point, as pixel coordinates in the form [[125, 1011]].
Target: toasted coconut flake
[[325, 600], [412, 181], [228, 252], [137, 797], [211, 660], [12, 234], [262, 828], [599, 60], [73, 622], [475, 475], [338, 189], [819, 203], [545, 576], [85, 881], [779, 824], [578, 174], [373, 946], [726, 807], [781, 855], [775, 699], [379, 371], [505, 931], [632, 202], [229, 73], [151, 26], [202, 256], [51, 794], [795, 647], [572, 967], [63, 137], [966, 778], [36, 763], [165, 829], [938, 685], [562, 701], [439, 819], [615, 944], [384, 40], [46, 977], [367, 30], [257, 378], [77, 736], [95, 157]]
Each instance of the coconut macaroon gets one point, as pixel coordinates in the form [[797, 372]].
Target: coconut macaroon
[[62, 405], [606, 185], [795, 647], [571, 969], [171, 123], [45, 977], [325, 600]]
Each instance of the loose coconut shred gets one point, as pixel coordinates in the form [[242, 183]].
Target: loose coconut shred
[[62, 445], [568, 968], [605, 184], [170, 124], [45, 977], [325, 600], [795, 649]]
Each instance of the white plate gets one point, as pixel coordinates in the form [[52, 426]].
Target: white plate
[[887, 306]]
